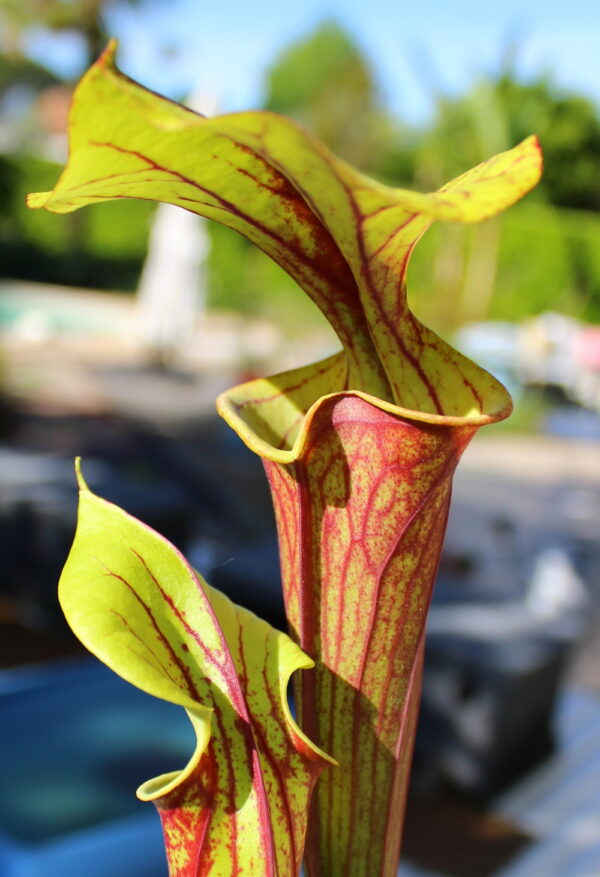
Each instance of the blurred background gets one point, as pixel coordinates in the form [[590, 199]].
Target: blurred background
[[120, 324]]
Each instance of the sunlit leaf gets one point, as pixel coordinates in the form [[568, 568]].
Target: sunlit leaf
[[345, 238], [360, 448], [240, 805]]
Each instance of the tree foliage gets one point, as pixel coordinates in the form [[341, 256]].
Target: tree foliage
[[325, 82], [496, 112], [569, 127]]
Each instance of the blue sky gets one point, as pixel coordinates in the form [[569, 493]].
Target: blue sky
[[224, 47]]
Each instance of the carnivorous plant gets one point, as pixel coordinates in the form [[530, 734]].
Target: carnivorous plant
[[359, 451]]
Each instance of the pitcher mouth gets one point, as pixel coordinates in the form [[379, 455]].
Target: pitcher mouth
[[273, 415]]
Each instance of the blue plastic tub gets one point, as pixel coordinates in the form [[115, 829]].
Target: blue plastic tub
[[75, 742]]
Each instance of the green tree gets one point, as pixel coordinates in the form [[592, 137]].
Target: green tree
[[569, 129], [500, 111], [324, 81]]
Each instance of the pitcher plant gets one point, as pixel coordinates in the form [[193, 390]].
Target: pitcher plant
[[359, 451]]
